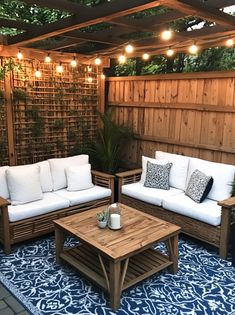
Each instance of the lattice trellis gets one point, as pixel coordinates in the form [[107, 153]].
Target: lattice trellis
[[3, 125], [53, 113]]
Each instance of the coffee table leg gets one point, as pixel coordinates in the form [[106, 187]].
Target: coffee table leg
[[115, 290], [59, 243], [172, 246]]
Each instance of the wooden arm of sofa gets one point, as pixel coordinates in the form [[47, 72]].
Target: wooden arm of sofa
[[226, 217], [4, 202], [127, 177], [104, 180], [5, 225]]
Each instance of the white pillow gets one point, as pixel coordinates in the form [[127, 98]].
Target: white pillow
[[24, 184], [79, 177], [179, 170], [59, 165], [4, 192], [144, 166], [45, 176]]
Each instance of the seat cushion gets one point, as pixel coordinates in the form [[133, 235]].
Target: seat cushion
[[49, 203], [208, 211], [223, 176], [179, 169], [59, 165], [4, 192], [150, 195], [78, 197]]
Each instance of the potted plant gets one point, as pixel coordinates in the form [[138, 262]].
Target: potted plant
[[102, 218]]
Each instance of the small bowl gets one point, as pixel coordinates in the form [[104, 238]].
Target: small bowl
[[102, 224]]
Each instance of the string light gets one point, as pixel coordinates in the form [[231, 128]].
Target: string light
[[89, 68], [193, 49], [229, 42], [98, 61], [102, 76], [129, 49], [59, 68], [166, 35], [122, 59], [47, 59], [38, 73], [20, 55], [89, 79], [145, 56], [73, 62], [170, 52]]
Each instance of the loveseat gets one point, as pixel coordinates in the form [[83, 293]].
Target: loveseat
[[210, 220], [32, 196]]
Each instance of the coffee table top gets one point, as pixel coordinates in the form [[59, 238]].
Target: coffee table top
[[139, 231]]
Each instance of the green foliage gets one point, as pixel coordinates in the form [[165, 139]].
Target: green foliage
[[58, 124], [106, 151], [103, 216], [19, 95], [7, 67], [37, 126]]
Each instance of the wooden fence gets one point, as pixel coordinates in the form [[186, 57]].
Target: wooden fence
[[191, 114]]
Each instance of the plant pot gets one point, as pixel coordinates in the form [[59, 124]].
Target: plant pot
[[102, 224]]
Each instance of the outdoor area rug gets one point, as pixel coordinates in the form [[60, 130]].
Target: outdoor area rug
[[204, 284]]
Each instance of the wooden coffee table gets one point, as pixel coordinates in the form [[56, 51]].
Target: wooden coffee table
[[116, 260]]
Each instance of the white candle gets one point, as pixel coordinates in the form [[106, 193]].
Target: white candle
[[115, 221]]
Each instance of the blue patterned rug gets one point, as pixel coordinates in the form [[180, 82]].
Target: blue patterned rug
[[204, 284]]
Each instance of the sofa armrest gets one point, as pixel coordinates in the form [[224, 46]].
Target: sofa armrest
[[227, 203], [104, 180], [5, 225], [127, 177], [4, 202]]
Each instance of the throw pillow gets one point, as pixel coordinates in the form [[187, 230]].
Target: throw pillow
[[199, 186], [79, 177], [157, 175], [24, 184], [145, 159]]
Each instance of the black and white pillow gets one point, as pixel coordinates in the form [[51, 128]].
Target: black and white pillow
[[199, 186], [157, 176]]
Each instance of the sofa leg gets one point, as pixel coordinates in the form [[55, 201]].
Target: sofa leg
[[7, 248]]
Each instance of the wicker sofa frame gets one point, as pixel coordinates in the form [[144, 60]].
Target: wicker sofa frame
[[218, 236], [14, 232]]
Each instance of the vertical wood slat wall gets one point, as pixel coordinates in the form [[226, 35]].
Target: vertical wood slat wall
[[191, 114], [57, 113]]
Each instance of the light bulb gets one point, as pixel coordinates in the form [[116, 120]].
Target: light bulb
[[47, 59], [89, 68], [59, 68], [122, 59], [20, 55], [229, 42], [170, 52], [38, 73], [97, 61], [145, 56], [193, 49], [102, 76], [129, 49], [89, 79], [73, 63], [166, 35]]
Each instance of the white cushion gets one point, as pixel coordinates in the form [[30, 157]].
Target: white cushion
[[24, 183], [49, 203], [78, 197], [208, 211], [45, 176], [179, 169], [59, 165], [145, 159], [79, 177], [150, 195], [4, 192], [223, 176]]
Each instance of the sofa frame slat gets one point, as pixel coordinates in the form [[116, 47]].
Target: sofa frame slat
[[218, 236]]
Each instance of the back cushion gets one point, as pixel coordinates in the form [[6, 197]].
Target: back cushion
[[59, 165], [45, 176], [4, 192], [223, 176], [179, 169]]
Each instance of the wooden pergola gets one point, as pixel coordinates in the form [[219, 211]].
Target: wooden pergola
[[117, 22]]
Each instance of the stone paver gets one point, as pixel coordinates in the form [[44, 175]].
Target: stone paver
[[9, 305]]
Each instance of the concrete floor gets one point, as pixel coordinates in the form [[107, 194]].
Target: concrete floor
[[9, 305]]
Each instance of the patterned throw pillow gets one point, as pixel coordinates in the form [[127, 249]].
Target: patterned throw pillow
[[157, 176], [199, 186]]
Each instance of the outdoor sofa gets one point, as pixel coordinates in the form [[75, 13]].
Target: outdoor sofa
[[32, 196], [210, 221]]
